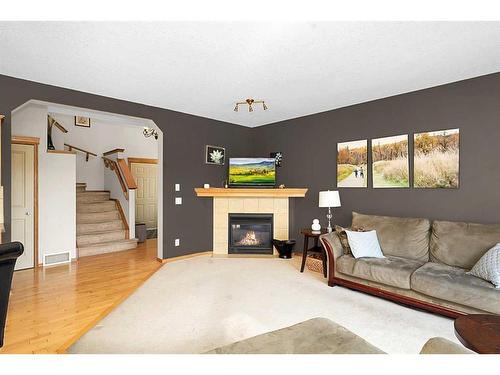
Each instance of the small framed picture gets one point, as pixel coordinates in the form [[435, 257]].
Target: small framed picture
[[82, 121], [278, 158], [215, 155]]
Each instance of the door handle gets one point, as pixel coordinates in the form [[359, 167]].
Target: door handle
[[27, 213]]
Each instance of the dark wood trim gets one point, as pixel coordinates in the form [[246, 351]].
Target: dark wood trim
[[141, 161], [122, 216], [114, 151], [427, 306], [408, 301]]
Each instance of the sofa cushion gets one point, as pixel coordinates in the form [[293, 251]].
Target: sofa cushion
[[461, 244], [440, 345], [314, 336], [453, 284], [393, 271], [398, 236], [345, 264]]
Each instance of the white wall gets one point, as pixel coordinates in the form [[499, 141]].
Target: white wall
[[56, 184], [57, 204], [99, 138]]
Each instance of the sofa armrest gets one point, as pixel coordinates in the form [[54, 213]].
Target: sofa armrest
[[333, 248], [440, 345]]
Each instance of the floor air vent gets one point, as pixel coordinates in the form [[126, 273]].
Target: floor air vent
[[56, 258]]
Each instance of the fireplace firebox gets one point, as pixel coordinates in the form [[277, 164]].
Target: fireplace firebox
[[250, 234]]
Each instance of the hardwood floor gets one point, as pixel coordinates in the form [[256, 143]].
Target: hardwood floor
[[50, 308]]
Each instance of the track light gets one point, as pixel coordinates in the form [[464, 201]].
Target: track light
[[250, 102]]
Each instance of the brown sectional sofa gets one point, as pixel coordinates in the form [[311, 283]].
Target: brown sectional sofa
[[425, 264]]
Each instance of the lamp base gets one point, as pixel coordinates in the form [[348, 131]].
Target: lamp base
[[329, 217]]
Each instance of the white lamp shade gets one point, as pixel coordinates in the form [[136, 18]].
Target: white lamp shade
[[329, 199]]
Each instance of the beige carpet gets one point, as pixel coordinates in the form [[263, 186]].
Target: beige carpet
[[198, 304]]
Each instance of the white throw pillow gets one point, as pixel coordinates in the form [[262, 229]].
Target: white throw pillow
[[488, 267], [364, 244]]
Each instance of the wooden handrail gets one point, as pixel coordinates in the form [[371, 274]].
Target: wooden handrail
[[113, 165], [127, 174], [114, 151], [52, 121], [87, 153]]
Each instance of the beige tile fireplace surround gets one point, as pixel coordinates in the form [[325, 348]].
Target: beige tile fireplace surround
[[248, 201]]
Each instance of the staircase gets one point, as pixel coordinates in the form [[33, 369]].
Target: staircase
[[99, 227]]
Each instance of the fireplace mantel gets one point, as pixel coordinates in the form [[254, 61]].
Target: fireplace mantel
[[251, 192], [248, 201]]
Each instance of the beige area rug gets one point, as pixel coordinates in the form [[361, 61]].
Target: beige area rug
[[198, 304]]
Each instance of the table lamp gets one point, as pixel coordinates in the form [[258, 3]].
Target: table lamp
[[329, 199]]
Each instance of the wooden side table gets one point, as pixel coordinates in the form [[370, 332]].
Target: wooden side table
[[308, 233], [479, 332]]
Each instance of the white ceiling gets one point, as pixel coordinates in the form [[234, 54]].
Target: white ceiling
[[203, 68]]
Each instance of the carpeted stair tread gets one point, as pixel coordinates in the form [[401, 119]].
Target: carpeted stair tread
[[99, 237], [95, 227], [92, 196], [96, 217], [96, 207]]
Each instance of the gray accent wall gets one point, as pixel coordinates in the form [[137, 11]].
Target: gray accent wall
[[309, 146], [185, 137]]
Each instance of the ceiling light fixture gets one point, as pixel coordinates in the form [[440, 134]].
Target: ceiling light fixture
[[250, 102]]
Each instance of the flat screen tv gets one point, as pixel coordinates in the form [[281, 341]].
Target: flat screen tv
[[248, 172]]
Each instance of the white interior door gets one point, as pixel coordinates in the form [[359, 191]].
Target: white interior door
[[23, 183], [145, 196]]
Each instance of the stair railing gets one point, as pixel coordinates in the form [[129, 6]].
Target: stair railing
[[87, 153], [123, 174]]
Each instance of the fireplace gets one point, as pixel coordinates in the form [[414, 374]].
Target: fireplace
[[250, 234]]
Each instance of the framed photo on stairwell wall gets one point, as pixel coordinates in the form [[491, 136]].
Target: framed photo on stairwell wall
[[82, 121]]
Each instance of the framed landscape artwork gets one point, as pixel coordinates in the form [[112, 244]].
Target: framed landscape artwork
[[215, 155], [436, 159], [390, 166], [351, 163], [82, 121]]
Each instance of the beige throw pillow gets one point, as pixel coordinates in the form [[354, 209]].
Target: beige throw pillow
[[342, 235], [488, 267]]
